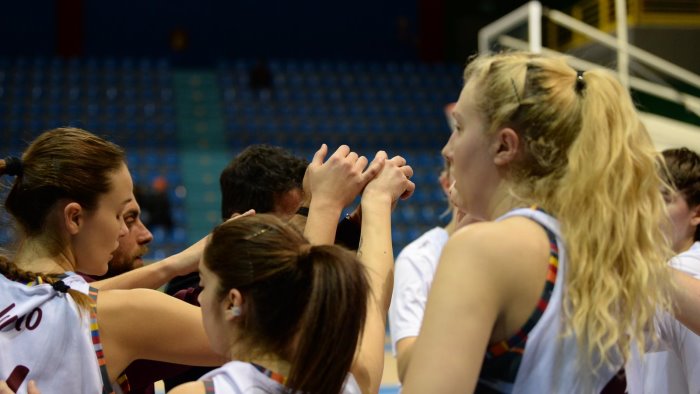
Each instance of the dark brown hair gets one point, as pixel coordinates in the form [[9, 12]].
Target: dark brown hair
[[306, 304], [684, 170], [63, 163], [257, 177]]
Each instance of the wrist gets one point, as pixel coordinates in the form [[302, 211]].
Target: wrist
[[377, 197], [325, 206]]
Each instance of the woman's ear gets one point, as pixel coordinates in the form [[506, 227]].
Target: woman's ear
[[695, 215], [73, 216], [233, 305], [506, 146]]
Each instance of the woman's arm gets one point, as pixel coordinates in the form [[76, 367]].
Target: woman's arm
[[489, 280], [465, 301], [686, 299], [333, 185], [188, 388], [155, 275], [146, 324], [375, 252]]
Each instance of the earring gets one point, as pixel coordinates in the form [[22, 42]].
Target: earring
[[235, 311]]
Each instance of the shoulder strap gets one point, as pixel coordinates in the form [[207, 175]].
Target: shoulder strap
[[515, 342], [95, 333], [208, 386]]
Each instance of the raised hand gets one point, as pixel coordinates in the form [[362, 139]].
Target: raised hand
[[341, 177], [189, 258], [394, 179]]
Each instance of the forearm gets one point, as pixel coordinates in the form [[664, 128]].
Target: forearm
[[375, 249], [686, 299], [151, 276], [322, 221], [403, 357], [375, 252]]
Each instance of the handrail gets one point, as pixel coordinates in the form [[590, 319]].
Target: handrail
[[690, 102], [531, 11], [623, 58], [638, 53]]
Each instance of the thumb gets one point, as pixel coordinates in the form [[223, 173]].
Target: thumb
[[375, 167], [320, 155]]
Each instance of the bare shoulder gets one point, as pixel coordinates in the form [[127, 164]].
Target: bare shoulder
[[494, 246], [189, 388]]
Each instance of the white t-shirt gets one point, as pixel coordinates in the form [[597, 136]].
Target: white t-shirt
[[43, 333], [413, 275], [236, 377], [675, 367]]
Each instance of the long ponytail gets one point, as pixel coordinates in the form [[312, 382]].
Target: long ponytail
[[332, 322], [612, 213], [303, 304]]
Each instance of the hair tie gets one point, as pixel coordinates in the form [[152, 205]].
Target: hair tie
[[60, 286], [13, 166], [580, 83], [303, 260]]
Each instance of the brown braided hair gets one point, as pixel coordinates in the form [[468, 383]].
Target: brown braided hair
[[11, 271]]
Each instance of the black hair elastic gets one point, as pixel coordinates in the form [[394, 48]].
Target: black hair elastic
[[580, 83], [60, 286], [303, 211], [13, 166]]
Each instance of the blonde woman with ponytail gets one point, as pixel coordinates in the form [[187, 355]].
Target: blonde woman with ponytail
[[567, 269]]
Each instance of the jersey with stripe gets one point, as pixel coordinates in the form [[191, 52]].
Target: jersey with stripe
[[236, 377], [538, 358], [46, 337]]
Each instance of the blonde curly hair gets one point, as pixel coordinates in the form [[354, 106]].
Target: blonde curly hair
[[588, 160]]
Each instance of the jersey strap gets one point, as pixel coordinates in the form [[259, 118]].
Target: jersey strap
[[95, 334]]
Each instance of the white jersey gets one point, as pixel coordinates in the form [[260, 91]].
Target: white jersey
[[236, 377], [540, 359], [45, 337], [413, 275], [674, 367]]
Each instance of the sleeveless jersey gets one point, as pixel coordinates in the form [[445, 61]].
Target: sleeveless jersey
[[236, 377], [538, 358], [45, 336]]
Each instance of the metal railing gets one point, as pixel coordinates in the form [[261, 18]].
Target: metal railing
[[532, 13]]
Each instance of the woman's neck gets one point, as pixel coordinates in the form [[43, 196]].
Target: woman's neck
[[274, 364], [502, 202], [35, 256], [452, 225], [684, 245]]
